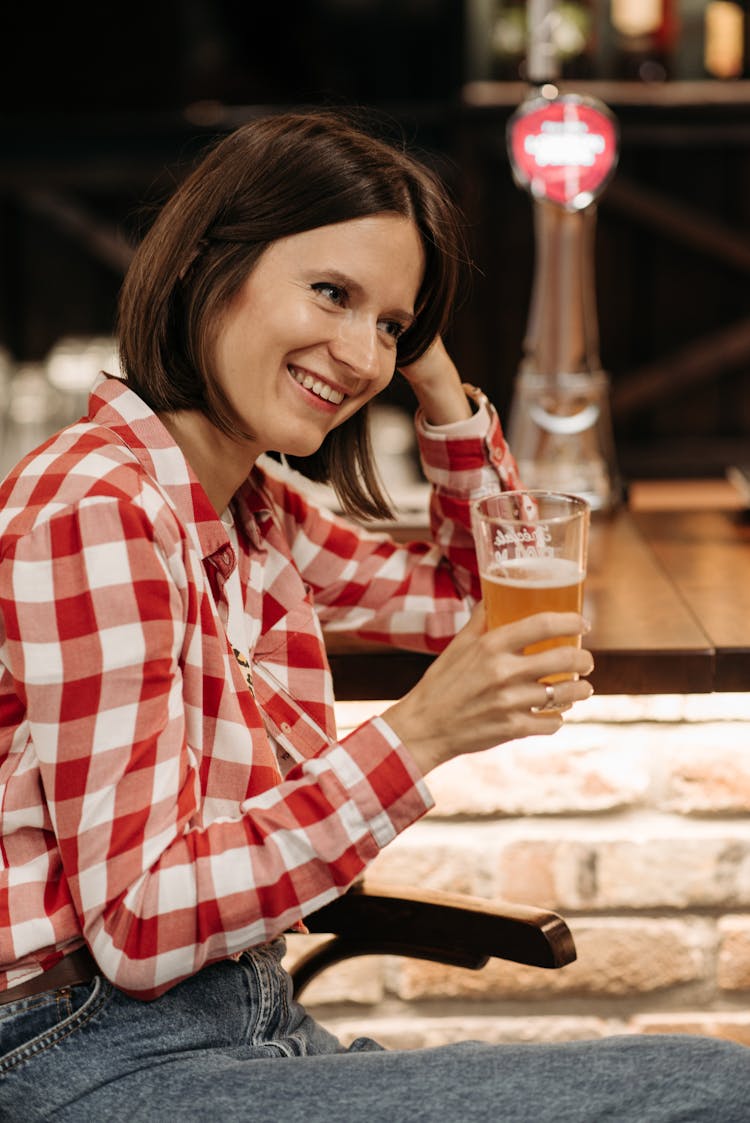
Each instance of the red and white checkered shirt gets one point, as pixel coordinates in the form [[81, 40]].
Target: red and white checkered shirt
[[142, 806]]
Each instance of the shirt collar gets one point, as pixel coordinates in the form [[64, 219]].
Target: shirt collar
[[117, 408]]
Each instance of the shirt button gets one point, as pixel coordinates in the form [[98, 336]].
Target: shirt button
[[285, 727], [226, 557]]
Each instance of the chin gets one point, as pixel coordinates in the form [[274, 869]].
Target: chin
[[307, 443], [301, 448]]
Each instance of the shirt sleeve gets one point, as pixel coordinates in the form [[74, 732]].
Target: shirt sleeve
[[102, 619], [418, 594]]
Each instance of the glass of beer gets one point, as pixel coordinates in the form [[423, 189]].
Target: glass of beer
[[531, 549]]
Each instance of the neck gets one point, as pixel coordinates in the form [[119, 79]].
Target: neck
[[220, 462]]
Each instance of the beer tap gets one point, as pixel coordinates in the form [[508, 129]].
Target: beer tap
[[563, 150]]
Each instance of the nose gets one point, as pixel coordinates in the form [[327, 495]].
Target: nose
[[356, 344]]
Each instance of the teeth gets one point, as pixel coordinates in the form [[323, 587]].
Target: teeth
[[321, 389]]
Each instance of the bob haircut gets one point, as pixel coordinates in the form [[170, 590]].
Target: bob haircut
[[273, 177]]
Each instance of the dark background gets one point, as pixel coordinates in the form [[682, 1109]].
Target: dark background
[[102, 109]]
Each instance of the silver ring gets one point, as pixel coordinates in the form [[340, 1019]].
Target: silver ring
[[549, 703]]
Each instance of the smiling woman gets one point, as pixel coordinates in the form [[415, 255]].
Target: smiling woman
[[279, 177], [174, 795], [309, 339], [311, 336]]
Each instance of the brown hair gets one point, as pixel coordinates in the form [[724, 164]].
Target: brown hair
[[273, 177]]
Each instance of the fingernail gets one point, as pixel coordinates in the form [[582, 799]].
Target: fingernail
[[586, 625]]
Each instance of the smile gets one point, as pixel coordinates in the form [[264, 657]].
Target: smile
[[317, 386]]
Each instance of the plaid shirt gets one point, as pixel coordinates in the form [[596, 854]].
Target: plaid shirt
[[142, 806]]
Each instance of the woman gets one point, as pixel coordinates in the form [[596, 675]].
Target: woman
[[174, 794]]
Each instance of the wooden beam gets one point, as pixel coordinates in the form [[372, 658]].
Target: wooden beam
[[103, 241], [701, 360], [671, 218]]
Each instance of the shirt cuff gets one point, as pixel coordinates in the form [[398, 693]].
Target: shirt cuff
[[470, 457], [478, 425], [382, 778]]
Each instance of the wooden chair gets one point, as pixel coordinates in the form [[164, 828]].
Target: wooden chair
[[462, 931]]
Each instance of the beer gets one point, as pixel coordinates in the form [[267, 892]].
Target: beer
[[522, 587], [531, 550]]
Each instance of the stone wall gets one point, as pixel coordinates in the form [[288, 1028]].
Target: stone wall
[[633, 823]]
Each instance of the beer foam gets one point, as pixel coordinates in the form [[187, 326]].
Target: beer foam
[[541, 573]]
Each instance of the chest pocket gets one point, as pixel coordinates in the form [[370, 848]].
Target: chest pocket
[[294, 652], [294, 635]]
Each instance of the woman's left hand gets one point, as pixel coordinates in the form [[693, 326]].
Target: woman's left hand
[[437, 385]]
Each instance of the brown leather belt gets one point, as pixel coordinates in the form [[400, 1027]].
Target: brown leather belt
[[77, 967]]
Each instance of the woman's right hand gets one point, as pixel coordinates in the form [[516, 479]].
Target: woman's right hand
[[480, 690]]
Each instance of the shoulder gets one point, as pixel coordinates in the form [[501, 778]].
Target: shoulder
[[79, 466]]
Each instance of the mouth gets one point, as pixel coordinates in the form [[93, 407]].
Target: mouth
[[317, 386]]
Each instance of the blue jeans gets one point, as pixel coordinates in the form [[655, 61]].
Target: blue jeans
[[231, 1044]]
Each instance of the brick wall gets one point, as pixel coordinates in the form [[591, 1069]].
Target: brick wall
[[633, 823]]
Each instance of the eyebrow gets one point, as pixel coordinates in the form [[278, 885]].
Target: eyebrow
[[351, 285]]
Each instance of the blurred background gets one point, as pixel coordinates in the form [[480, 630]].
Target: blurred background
[[104, 108]]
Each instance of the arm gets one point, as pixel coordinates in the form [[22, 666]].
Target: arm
[[437, 386], [414, 595], [480, 691], [177, 842]]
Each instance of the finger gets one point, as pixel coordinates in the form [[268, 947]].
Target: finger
[[463, 643], [475, 625], [541, 724], [566, 659], [560, 695], [477, 621], [536, 629], [523, 693]]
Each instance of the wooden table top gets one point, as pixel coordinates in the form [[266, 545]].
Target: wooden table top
[[706, 555], [667, 593]]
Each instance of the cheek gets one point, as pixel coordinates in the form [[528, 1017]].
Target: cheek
[[389, 372], [228, 359], [226, 337], [376, 387], [383, 379]]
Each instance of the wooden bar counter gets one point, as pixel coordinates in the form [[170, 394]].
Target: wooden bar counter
[[667, 593]]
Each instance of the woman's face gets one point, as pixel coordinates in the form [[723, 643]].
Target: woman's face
[[311, 335]]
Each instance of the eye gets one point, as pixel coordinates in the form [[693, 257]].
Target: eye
[[394, 328], [335, 293]]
